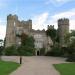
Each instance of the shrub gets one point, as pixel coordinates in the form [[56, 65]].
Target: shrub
[[11, 51], [71, 55], [55, 51], [1, 50], [71, 58], [26, 51]]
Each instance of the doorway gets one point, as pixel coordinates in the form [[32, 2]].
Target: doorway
[[38, 53]]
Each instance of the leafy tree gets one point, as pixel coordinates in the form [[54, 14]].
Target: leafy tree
[[27, 45], [72, 32], [52, 33], [1, 46], [27, 40], [1, 42], [11, 51], [71, 46]]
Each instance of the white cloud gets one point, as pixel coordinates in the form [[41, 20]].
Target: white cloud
[[2, 31], [57, 2], [40, 20], [68, 14]]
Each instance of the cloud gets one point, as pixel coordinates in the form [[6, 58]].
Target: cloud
[[2, 29], [67, 14], [40, 20], [57, 2]]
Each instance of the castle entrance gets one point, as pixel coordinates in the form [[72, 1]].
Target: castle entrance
[[38, 53]]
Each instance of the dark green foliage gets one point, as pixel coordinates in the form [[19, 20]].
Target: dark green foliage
[[52, 33], [26, 51], [73, 33], [1, 46], [27, 40], [71, 51], [27, 45], [9, 51], [55, 51], [1, 50]]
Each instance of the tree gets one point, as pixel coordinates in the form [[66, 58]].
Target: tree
[[71, 46], [52, 33], [10, 51], [27, 45], [1, 46], [1, 42]]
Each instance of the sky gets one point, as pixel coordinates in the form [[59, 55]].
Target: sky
[[42, 12]]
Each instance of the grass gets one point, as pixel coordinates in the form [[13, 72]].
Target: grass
[[66, 68], [7, 67]]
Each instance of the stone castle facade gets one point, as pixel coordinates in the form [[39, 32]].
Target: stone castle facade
[[16, 27]]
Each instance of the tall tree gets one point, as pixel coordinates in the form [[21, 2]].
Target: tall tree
[[52, 33], [27, 45], [1, 42]]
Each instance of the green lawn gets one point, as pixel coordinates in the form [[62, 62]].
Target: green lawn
[[66, 69], [7, 67]]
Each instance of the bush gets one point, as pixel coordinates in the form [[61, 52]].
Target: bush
[[71, 55], [1, 50], [71, 58], [9, 51], [26, 51], [55, 51], [22, 50]]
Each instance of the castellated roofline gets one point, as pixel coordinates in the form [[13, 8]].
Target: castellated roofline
[[12, 17], [63, 19], [23, 21]]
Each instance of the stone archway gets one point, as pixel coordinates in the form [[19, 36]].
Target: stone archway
[[38, 53]]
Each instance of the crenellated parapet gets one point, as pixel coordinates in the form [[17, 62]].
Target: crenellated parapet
[[12, 17], [50, 27], [64, 21]]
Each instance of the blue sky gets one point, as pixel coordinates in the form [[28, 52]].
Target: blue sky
[[42, 12]]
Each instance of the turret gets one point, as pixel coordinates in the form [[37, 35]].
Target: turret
[[63, 29]]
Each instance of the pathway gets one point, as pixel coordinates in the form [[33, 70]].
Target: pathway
[[38, 65]]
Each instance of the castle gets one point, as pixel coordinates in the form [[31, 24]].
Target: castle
[[16, 27]]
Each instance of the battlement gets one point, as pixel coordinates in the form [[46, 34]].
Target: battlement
[[25, 22], [50, 27], [63, 21], [12, 17]]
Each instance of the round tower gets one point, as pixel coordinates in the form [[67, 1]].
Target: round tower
[[10, 30], [63, 29]]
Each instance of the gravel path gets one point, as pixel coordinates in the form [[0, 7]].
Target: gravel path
[[38, 65]]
